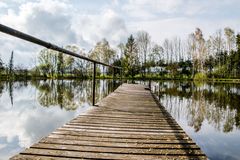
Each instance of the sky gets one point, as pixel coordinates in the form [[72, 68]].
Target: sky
[[85, 22]]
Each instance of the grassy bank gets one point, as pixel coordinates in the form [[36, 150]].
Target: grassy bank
[[136, 77]]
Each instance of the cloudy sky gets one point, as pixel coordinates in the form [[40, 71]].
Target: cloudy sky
[[84, 22]]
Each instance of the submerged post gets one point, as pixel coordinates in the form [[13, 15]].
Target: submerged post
[[94, 83]]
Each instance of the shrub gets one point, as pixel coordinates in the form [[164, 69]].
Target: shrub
[[200, 77]]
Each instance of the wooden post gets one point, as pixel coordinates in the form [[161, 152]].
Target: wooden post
[[113, 72], [159, 91], [114, 80], [94, 83], [121, 70], [150, 87]]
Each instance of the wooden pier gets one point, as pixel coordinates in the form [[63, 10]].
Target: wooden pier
[[128, 124]]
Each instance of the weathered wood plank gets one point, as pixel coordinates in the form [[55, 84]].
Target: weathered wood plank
[[102, 155], [124, 125], [121, 150], [121, 140], [127, 124], [119, 145], [119, 128]]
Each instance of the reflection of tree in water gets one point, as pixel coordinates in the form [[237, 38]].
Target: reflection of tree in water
[[216, 103], [197, 110], [11, 85], [1, 88], [69, 94], [10, 88], [105, 87], [52, 93]]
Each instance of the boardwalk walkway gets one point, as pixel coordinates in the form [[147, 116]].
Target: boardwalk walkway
[[127, 124]]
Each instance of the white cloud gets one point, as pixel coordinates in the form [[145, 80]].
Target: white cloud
[[94, 28], [3, 5], [60, 23], [146, 9], [181, 27], [44, 19]]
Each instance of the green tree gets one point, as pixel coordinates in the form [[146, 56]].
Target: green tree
[[69, 60], [1, 66], [60, 64], [237, 56], [47, 60], [10, 66], [238, 42], [103, 52], [130, 57]]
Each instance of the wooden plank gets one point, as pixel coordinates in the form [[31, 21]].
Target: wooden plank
[[100, 138], [173, 125], [121, 131], [127, 124], [122, 134], [119, 128], [166, 145], [102, 155], [124, 125], [121, 150]]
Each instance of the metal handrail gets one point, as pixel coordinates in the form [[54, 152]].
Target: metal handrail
[[48, 45], [29, 38]]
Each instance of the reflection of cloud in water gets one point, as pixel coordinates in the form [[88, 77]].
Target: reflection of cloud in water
[[209, 114], [2, 146], [26, 122], [40, 107]]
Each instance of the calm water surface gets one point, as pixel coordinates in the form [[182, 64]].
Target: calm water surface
[[31, 110], [208, 112]]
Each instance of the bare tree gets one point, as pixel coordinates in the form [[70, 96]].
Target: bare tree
[[230, 36], [156, 55], [143, 40], [200, 48], [218, 45], [191, 50], [166, 49], [121, 47]]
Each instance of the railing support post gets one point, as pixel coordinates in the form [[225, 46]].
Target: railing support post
[[113, 73], [150, 86], [121, 70], [94, 83], [114, 78]]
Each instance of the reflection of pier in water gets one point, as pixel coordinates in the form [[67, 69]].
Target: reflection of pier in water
[[127, 124]]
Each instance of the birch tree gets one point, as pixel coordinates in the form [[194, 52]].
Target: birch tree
[[230, 37], [143, 44]]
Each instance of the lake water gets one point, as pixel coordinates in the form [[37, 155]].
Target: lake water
[[209, 113], [31, 110]]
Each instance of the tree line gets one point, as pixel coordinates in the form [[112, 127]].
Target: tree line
[[217, 56]]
